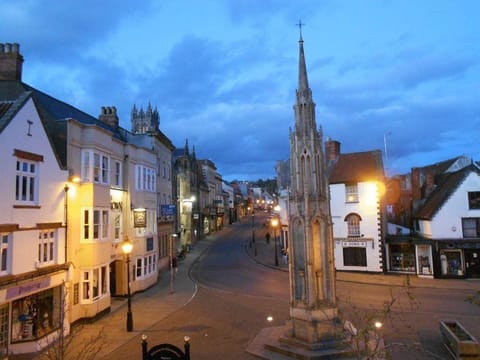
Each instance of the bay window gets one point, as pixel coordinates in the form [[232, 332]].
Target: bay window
[[95, 167], [94, 284], [95, 224], [146, 266]]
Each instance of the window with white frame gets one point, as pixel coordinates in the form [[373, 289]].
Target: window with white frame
[[105, 178], [46, 247], [86, 167], [145, 178], [146, 266], [474, 199], [351, 193], [95, 224], [95, 167], [353, 224], [4, 254], [471, 227], [94, 284], [26, 183], [117, 174], [117, 226]]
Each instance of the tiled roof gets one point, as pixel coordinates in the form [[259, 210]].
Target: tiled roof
[[442, 166], [357, 167], [52, 110], [447, 184], [4, 106]]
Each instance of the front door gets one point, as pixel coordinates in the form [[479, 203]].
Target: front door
[[113, 278], [472, 263]]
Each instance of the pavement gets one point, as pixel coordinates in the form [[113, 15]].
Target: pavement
[[166, 297]]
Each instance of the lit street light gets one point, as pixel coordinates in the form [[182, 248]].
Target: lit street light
[[172, 238], [127, 247], [274, 223]]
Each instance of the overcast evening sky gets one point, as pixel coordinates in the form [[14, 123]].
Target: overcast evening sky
[[395, 75]]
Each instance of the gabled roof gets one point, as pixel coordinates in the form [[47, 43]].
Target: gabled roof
[[445, 166], [52, 112], [357, 167], [447, 184]]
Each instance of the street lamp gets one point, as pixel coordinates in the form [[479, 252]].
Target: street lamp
[[274, 223], [127, 247], [174, 236], [253, 232]]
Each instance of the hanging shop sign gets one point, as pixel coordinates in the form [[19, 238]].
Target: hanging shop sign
[[139, 218]]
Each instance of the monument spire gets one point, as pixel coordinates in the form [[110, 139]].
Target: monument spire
[[313, 308], [302, 68], [311, 331]]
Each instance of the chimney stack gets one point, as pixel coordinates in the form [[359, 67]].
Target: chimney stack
[[109, 116], [332, 150], [11, 62]]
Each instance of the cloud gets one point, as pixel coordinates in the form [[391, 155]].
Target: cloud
[[63, 30]]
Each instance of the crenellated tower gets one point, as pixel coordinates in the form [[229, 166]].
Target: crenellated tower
[[145, 122]]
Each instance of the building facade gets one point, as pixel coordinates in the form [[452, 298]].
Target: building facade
[[357, 190], [34, 271], [443, 241], [146, 132]]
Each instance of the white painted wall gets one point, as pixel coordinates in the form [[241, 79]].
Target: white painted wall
[[51, 188], [367, 207], [447, 223]]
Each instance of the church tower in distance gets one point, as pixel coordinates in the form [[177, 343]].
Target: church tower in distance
[[145, 122]]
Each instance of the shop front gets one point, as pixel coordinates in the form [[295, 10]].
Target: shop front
[[30, 311], [409, 255], [457, 259]]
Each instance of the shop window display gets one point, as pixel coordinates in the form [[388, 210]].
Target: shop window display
[[402, 258], [451, 262], [36, 315]]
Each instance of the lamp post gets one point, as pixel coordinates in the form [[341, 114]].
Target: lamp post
[[127, 247], [174, 236], [274, 223], [253, 227]]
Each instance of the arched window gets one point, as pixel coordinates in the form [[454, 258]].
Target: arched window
[[353, 223]]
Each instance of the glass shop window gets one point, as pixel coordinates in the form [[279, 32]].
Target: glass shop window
[[36, 315]]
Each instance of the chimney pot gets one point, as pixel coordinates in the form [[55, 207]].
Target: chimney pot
[[109, 116], [10, 62]]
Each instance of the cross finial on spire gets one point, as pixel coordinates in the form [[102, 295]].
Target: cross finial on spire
[[300, 24]]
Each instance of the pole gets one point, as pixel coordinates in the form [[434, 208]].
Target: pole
[[66, 188], [253, 233], [129, 311], [275, 242], [171, 265]]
